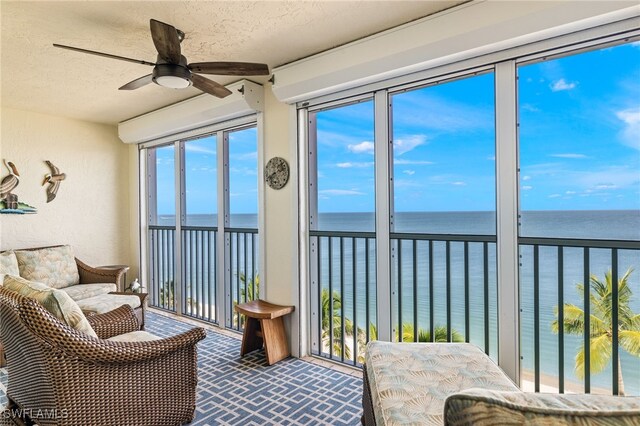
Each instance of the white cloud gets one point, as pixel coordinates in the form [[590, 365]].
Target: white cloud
[[491, 158], [409, 172], [570, 192], [554, 196], [568, 155], [526, 177], [404, 145], [527, 187], [606, 186], [340, 192], [631, 132], [349, 164], [561, 84], [247, 156], [399, 161], [364, 147], [199, 149], [529, 107], [243, 171], [459, 183]]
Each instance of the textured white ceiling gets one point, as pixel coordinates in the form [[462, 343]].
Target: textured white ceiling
[[36, 76]]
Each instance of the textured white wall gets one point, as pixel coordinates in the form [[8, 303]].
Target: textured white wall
[[91, 210]]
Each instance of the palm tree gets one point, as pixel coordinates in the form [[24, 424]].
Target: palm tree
[[601, 324], [336, 320], [248, 290], [439, 331], [167, 294]]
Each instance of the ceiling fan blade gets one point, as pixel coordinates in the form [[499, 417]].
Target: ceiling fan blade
[[165, 38], [230, 68], [209, 86], [138, 82], [106, 55]]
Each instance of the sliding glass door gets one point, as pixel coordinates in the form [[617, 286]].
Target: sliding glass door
[[202, 224], [443, 221]]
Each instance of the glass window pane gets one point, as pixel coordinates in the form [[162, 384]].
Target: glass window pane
[[444, 158], [165, 194], [579, 145], [346, 176], [579, 155], [201, 182], [243, 178], [444, 183]]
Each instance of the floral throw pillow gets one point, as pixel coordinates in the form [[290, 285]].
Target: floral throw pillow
[[57, 302]]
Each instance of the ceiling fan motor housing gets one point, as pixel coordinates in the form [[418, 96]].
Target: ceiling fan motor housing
[[172, 76]]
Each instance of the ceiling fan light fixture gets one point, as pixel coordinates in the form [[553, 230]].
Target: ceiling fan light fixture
[[172, 76]]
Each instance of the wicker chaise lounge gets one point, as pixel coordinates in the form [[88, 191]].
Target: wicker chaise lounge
[[61, 376]]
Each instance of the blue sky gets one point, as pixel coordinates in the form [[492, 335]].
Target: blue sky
[[579, 141], [201, 174], [579, 145]]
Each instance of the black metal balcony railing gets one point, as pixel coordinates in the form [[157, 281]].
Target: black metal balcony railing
[[344, 294], [551, 272], [244, 282], [199, 250], [422, 288], [198, 278], [435, 278], [162, 267]]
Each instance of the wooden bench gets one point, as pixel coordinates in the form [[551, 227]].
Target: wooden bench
[[264, 325]]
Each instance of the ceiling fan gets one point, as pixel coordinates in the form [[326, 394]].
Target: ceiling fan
[[171, 68]]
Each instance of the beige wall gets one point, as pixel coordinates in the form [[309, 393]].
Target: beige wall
[[91, 210]]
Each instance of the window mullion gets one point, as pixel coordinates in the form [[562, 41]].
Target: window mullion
[[224, 272], [507, 220], [382, 145], [179, 221]]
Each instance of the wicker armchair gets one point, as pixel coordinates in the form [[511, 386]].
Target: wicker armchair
[[60, 376]]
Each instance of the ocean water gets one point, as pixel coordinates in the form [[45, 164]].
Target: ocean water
[[601, 225]]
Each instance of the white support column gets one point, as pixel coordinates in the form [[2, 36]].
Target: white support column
[[383, 249], [507, 220]]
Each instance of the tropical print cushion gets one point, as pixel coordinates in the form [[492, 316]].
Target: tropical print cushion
[[54, 266], [410, 382], [85, 291], [55, 301], [8, 265], [489, 407], [107, 302]]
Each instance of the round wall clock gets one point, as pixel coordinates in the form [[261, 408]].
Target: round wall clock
[[276, 173]]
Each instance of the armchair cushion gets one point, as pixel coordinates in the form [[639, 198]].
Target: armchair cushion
[[489, 407], [8, 265], [53, 266], [85, 291], [55, 301], [107, 302], [134, 336]]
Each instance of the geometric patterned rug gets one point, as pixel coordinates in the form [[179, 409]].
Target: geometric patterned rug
[[246, 391]]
